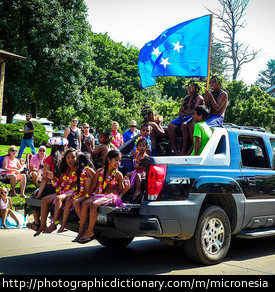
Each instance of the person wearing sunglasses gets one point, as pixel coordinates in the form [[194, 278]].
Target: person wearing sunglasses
[[131, 132], [37, 165], [87, 138], [73, 135], [6, 207], [12, 171]]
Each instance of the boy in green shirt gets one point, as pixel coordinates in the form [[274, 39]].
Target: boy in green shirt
[[202, 131]]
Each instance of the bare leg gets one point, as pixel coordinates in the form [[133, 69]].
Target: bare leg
[[172, 137], [66, 213], [84, 216], [44, 212], [191, 132], [185, 138], [22, 179], [13, 181], [57, 210], [93, 216], [11, 213], [4, 214], [34, 177], [77, 205], [138, 184]]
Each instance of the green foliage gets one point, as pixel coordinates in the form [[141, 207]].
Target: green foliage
[[54, 36], [10, 135], [71, 71], [250, 106]]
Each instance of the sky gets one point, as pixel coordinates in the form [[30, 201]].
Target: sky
[[139, 21]]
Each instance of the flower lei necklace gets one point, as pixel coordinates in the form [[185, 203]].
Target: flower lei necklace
[[109, 180], [64, 183], [83, 178]]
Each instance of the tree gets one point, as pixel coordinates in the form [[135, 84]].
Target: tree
[[266, 78], [54, 36], [250, 106], [230, 21]]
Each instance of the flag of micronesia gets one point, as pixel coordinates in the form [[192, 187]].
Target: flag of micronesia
[[182, 50]]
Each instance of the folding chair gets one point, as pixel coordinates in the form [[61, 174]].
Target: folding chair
[[3, 181]]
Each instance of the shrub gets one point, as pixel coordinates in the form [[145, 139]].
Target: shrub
[[10, 135]]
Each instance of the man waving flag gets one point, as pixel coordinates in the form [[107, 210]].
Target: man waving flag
[[182, 50]]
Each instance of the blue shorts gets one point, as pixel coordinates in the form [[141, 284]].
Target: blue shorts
[[215, 121], [178, 121]]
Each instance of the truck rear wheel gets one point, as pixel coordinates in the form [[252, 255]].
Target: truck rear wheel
[[211, 240], [114, 242]]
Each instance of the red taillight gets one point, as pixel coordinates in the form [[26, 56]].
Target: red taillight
[[156, 179]]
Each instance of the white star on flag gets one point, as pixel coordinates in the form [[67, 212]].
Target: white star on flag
[[165, 62], [156, 52], [177, 46]]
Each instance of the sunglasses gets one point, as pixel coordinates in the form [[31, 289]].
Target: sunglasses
[[42, 151], [86, 127], [13, 150], [133, 126], [2, 193], [74, 120]]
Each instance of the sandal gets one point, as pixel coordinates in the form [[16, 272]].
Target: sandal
[[33, 226], [85, 239]]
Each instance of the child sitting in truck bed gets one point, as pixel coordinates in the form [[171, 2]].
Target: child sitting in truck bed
[[104, 139], [107, 186], [139, 172], [145, 131], [202, 131]]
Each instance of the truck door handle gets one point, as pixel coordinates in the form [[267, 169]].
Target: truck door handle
[[251, 181]]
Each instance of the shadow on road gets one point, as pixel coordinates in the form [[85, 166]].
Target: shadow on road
[[142, 257]]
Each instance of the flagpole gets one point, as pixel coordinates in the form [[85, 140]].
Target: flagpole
[[209, 55]]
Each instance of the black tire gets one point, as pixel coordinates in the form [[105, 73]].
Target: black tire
[[114, 242], [211, 240]]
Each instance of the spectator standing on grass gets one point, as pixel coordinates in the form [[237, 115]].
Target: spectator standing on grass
[[87, 136], [117, 137], [73, 135], [28, 138]]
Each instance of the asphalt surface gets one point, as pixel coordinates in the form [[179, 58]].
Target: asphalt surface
[[55, 254]]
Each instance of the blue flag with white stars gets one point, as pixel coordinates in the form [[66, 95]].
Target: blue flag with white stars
[[182, 50]]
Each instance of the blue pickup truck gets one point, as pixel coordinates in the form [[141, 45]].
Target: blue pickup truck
[[200, 201]]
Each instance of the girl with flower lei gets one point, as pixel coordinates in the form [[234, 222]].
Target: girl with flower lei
[[107, 186], [65, 188], [85, 173]]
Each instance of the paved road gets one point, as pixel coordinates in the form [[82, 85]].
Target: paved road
[[22, 254]]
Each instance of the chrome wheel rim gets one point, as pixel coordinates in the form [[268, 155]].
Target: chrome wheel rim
[[213, 236]]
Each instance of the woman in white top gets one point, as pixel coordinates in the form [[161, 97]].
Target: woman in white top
[[13, 170]]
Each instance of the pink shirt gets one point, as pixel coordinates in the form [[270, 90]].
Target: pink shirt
[[35, 161], [117, 139]]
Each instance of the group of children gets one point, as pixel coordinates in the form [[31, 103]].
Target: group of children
[[83, 188]]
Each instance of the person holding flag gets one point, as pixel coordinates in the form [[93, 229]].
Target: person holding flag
[[217, 102]]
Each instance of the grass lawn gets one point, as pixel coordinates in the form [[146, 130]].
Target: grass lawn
[[17, 201]]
